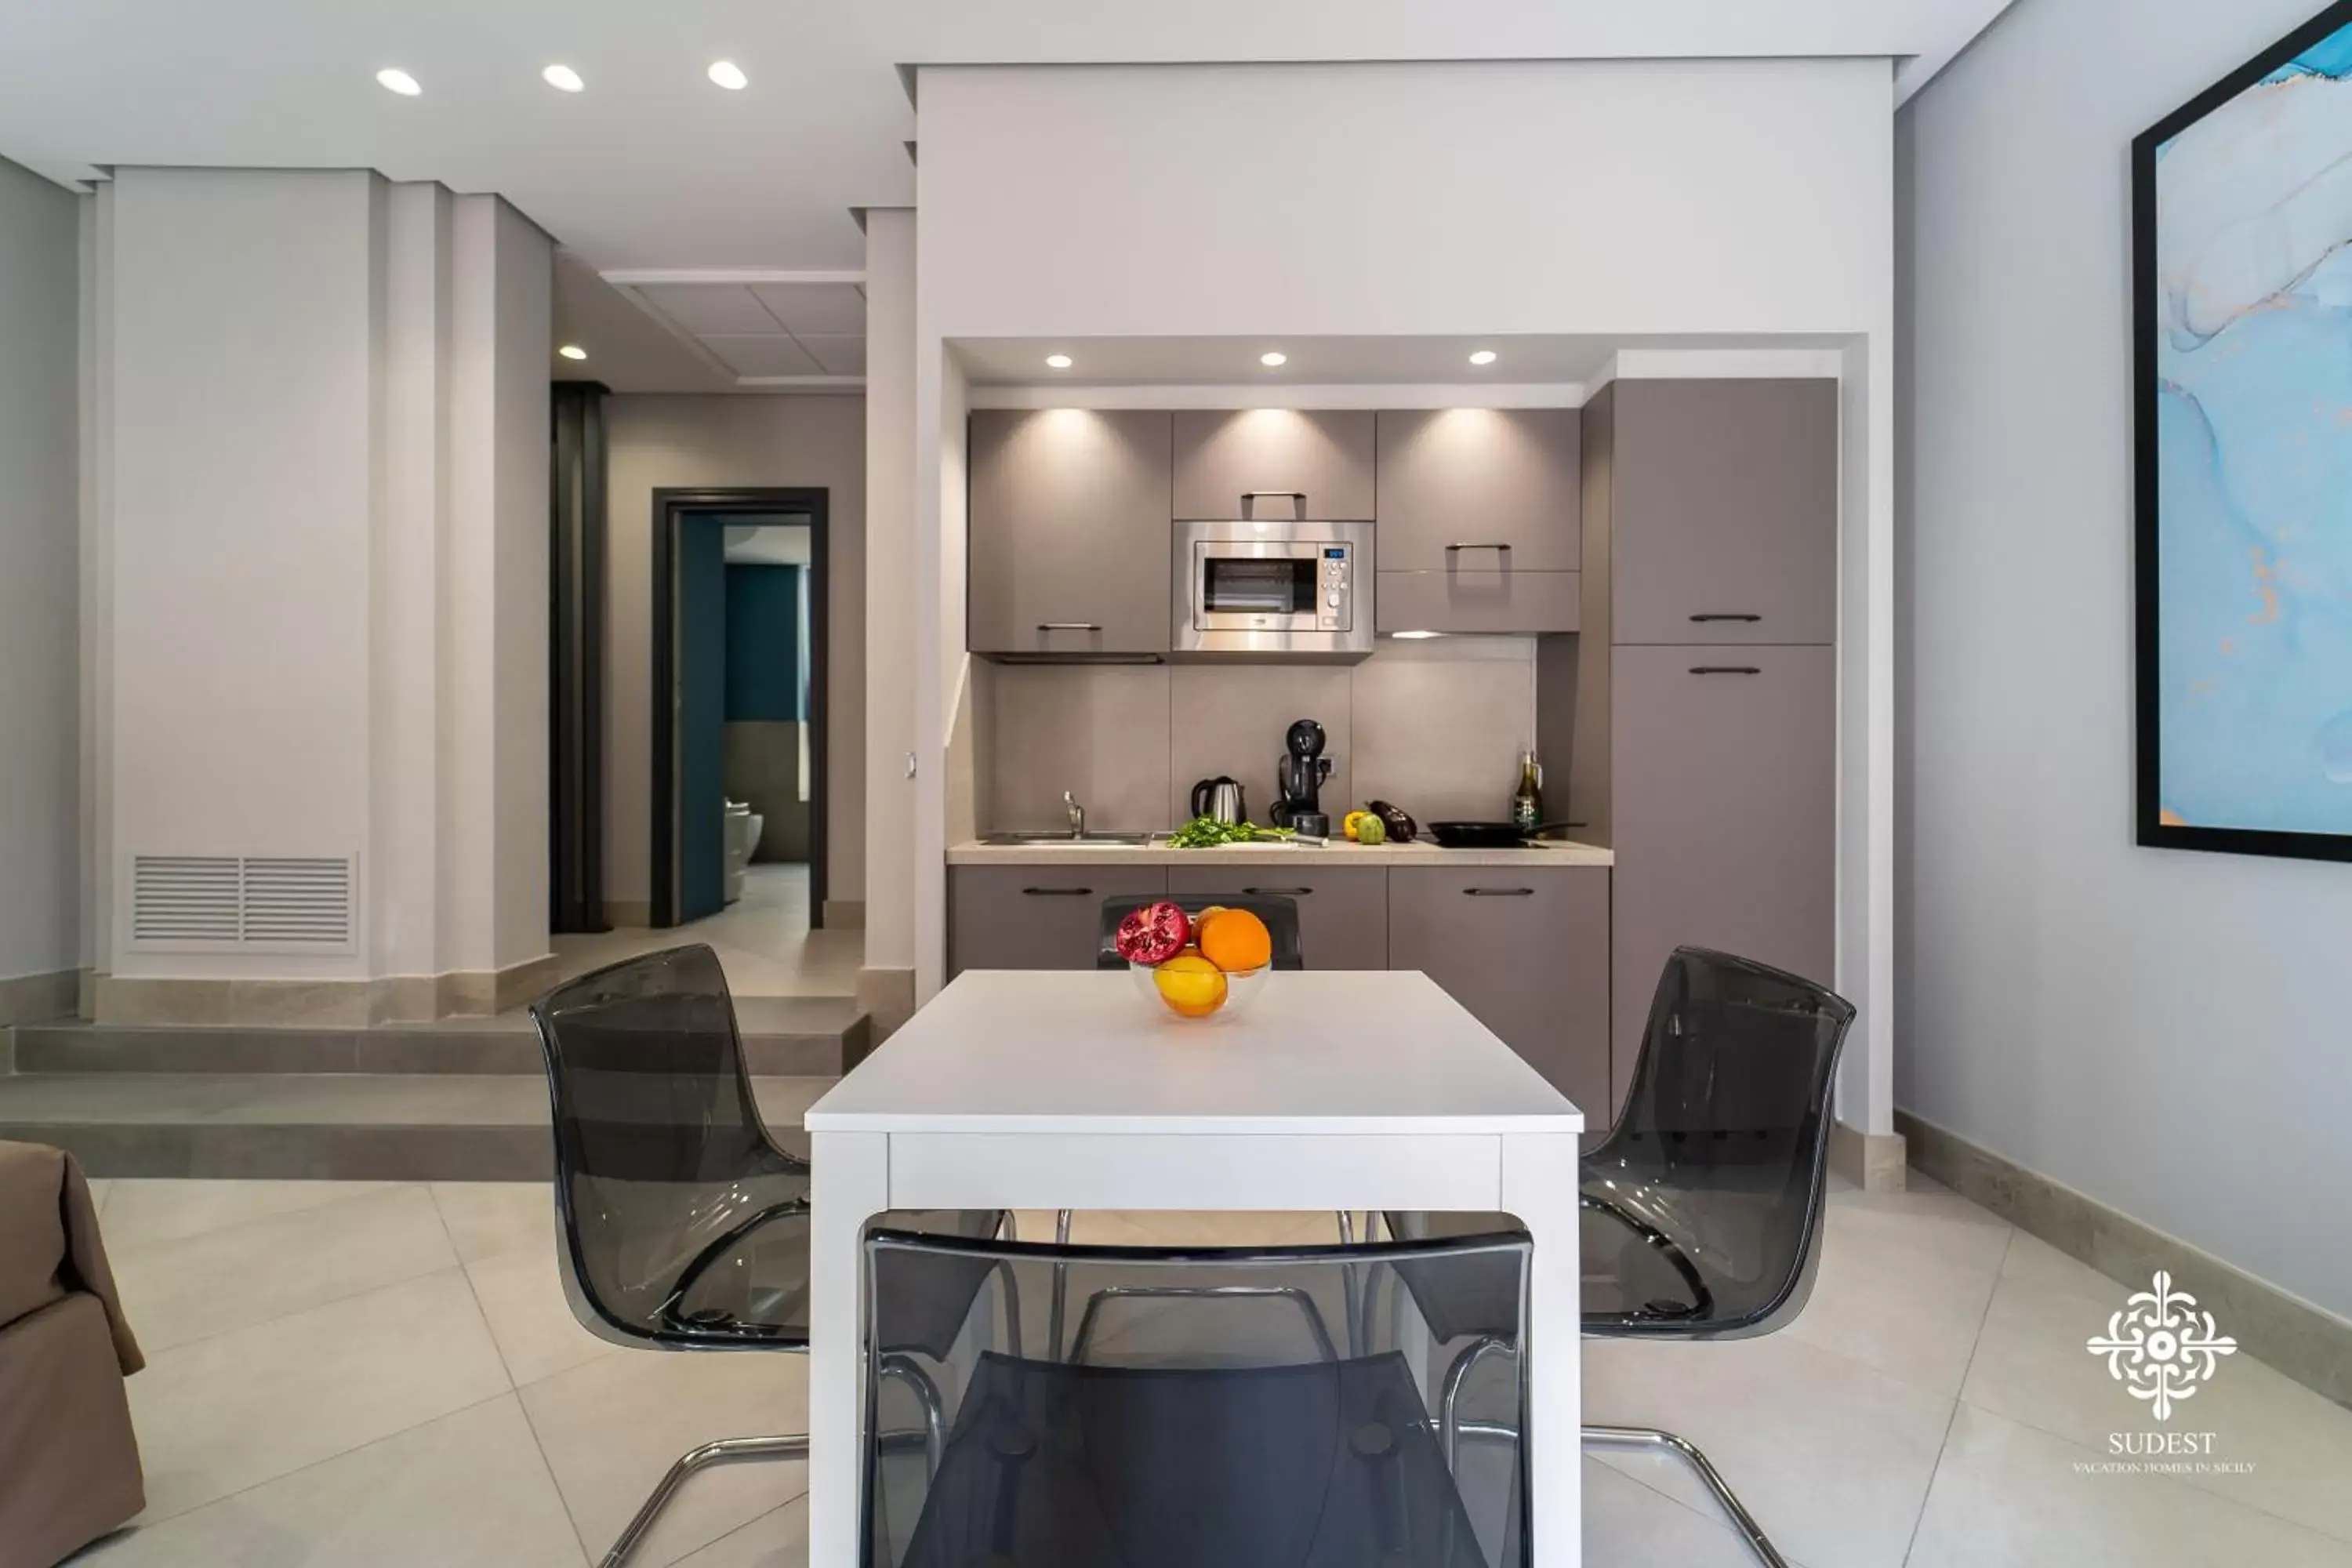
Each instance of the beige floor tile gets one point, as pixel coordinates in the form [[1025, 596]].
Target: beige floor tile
[[2007, 1496], [98, 1188], [468, 1490], [243, 1407], [1834, 1458], [487, 1218], [2033, 1366], [1627, 1525], [522, 1298], [778, 1538], [1904, 1292], [611, 1428], [178, 1291], [140, 1212]]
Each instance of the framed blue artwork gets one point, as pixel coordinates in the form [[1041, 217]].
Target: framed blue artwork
[[2242, 212]]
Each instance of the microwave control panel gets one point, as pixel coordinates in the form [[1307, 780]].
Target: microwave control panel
[[1334, 592]]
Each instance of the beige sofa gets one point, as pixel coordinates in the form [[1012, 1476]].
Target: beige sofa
[[69, 1462]]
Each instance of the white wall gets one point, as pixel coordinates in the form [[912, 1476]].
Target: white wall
[[664, 441], [244, 409], [2159, 1029], [1731, 198], [315, 574], [39, 745], [889, 596]]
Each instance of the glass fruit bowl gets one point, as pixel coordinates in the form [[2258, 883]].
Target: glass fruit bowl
[[1190, 987]]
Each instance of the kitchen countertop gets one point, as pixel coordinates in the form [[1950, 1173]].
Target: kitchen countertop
[[1339, 852]]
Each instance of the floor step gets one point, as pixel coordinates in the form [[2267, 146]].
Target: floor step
[[783, 1036], [334, 1126]]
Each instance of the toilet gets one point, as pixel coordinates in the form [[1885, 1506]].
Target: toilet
[[743, 827]]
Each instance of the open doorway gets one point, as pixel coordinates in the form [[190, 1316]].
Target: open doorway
[[739, 713]]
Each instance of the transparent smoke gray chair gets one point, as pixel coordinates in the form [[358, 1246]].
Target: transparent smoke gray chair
[[683, 1226], [1208, 1413], [1701, 1210]]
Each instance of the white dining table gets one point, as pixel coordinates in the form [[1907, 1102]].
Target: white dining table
[[1328, 1091]]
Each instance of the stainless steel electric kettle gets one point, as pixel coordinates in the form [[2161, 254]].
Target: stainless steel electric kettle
[[1220, 797]]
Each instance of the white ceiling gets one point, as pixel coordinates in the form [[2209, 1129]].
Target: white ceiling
[[768, 544], [651, 167]]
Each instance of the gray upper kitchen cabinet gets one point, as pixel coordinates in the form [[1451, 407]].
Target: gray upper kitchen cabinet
[[1724, 816], [1069, 532], [1482, 489], [1526, 950], [1035, 917], [1256, 462], [1343, 911], [1723, 511]]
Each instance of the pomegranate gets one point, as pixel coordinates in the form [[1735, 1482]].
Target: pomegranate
[[1153, 935]]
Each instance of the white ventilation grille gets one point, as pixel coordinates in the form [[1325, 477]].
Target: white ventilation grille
[[185, 898], [300, 903]]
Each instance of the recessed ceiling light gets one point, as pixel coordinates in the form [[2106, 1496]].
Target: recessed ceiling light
[[572, 351], [1484, 356], [1272, 358], [564, 78], [1059, 362], [399, 82], [729, 75]]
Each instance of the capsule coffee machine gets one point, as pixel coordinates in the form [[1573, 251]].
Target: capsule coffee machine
[[1299, 776]]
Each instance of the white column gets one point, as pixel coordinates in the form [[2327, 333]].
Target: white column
[[315, 550], [886, 987]]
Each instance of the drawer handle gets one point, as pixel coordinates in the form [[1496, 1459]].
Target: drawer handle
[[1724, 669], [1499, 893], [1277, 892], [1059, 892], [1450, 548], [1727, 616], [1069, 627]]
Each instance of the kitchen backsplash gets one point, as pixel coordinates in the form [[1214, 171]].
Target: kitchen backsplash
[[1435, 727]]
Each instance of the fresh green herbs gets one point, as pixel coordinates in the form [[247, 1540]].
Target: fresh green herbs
[[1208, 833]]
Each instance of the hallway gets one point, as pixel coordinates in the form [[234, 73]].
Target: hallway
[[763, 940]]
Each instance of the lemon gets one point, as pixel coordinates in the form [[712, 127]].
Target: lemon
[[1191, 986]]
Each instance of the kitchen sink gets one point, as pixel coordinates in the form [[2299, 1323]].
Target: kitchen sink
[[1065, 837]]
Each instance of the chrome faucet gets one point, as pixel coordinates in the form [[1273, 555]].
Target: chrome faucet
[[1077, 815]]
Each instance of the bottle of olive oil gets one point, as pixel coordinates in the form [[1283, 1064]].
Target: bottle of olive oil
[[1526, 801]]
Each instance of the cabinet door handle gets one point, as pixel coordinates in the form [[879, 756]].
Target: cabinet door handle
[[1724, 669], [1452, 548], [1277, 892], [1727, 615], [1298, 499], [1069, 627], [1499, 893], [1059, 892]]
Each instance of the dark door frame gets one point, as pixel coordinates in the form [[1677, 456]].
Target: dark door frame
[[670, 506]]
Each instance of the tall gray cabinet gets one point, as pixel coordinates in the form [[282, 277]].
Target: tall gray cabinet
[[1705, 682]]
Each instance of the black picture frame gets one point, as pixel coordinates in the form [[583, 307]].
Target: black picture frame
[[670, 505], [2152, 831]]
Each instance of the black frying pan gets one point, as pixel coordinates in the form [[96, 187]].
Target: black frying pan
[[1486, 835]]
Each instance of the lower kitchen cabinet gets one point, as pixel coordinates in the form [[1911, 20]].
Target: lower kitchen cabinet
[[1035, 917], [1343, 911], [1526, 950]]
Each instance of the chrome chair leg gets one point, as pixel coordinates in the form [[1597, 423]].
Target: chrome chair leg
[[725, 1451], [1687, 1451], [1060, 1304]]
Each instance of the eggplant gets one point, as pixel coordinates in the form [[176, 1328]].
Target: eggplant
[[1399, 824]]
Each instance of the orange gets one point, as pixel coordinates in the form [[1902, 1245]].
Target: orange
[[1236, 941], [1191, 985]]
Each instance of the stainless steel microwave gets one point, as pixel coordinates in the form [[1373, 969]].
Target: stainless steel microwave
[[1274, 589]]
